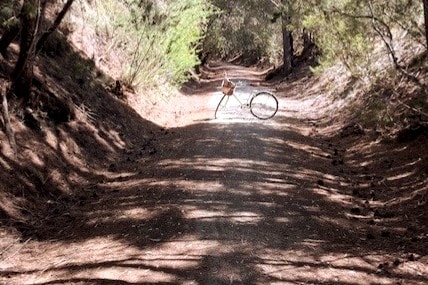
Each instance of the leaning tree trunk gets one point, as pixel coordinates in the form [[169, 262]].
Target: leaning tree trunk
[[426, 20], [5, 116], [54, 26], [22, 74], [287, 47]]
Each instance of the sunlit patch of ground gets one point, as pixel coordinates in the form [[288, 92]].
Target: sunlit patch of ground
[[234, 200]]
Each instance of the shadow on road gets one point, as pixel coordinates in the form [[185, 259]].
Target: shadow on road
[[215, 203]]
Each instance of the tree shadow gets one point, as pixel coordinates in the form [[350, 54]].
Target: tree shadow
[[263, 204], [119, 200]]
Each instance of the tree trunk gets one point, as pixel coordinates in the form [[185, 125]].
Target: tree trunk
[[5, 115], [22, 74], [426, 20], [54, 26], [308, 41], [287, 46]]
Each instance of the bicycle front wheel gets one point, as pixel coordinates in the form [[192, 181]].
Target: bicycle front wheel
[[221, 105], [264, 105]]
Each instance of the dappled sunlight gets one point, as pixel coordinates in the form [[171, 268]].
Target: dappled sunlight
[[335, 268], [107, 259], [311, 150], [4, 164], [236, 217], [111, 138], [400, 176], [176, 261], [334, 195], [235, 200], [210, 164], [223, 212], [422, 190], [345, 222], [38, 161], [278, 187]]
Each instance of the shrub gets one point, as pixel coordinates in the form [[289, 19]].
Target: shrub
[[8, 13], [158, 42]]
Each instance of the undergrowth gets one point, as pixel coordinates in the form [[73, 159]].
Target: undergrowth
[[392, 102], [154, 44]]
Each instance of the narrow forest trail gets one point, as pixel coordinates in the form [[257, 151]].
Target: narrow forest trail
[[227, 201]]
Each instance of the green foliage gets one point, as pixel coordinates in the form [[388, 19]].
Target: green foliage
[[244, 28], [420, 102], [30, 8], [56, 45], [340, 38], [186, 26], [162, 38], [345, 30], [375, 113], [82, 69], [349, 30], [158, 39], [8, 13]]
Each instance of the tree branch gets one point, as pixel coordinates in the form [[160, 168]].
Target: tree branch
[[6, 119], [54, 26], [387, 39], [389, 45]]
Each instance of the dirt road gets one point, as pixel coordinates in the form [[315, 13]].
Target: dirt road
[[228, 201]]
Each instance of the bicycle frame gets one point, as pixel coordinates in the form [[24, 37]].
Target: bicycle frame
[[250, 102]]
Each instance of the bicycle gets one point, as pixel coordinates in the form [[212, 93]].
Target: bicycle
[[262, 104]]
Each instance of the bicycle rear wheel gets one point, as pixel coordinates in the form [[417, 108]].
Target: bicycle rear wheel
[[264, 105]]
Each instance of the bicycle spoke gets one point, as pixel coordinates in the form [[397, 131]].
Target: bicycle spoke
[[264, 105]]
